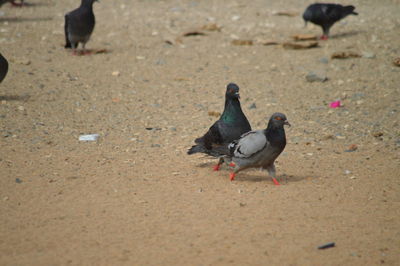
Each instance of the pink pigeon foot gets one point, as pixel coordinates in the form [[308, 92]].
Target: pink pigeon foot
[[232, 176], [275, 182]]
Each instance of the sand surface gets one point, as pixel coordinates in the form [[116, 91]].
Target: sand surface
[[135, 197]]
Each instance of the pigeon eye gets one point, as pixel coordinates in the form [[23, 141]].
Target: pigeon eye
[[278, 118]]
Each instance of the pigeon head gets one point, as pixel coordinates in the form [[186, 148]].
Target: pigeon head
[[350, 10], [307, 15], [278, 120], [232, 91]]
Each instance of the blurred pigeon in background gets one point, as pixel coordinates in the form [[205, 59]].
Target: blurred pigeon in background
[[3, 67], [230, 126], [325, 15], [79, 25], [2, 2], [258, 148]]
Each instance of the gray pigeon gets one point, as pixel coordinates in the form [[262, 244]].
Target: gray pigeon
[[79, 25], [229, 127], [258, 148], [2, 2], [325, 15], [3, 67]]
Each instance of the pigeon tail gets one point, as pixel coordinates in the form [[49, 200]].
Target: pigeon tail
[[201, 149], [67, 42], [196, 149]]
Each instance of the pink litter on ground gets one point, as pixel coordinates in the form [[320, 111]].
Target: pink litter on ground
[[334, 104]]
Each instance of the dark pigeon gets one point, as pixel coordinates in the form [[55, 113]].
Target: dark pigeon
[[3, 67], [79, 25], [325, 15], [258, 148], [229, 127], [2, 2]]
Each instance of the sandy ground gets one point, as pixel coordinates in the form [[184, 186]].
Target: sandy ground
[[135, 198]]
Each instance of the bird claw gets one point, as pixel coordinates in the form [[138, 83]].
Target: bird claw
[[324, 37], [275, 182], [216, 167], [232, 176]]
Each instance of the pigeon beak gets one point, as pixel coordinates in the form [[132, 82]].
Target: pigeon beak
[[287, 123], [237, 94]]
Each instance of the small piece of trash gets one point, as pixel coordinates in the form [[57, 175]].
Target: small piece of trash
[[285, 13], [304, 37], [90, 137], [352, 147], [347, 172], [268, 42], [327, 245], [242, 42], [298, 46], [214, 113], [193, 33], [335, 104], [18, 181], [153, 128], [116, 73], [344, 55]]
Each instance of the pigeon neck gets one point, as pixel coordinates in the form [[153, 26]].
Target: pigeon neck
[[275, 135], [86, 4], [231, 111]]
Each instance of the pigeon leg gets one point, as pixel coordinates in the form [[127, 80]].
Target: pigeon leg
[[325, 29], [272, 172], [232, 176], [235, 171], [74, 48], [232, 164], [218, 165]]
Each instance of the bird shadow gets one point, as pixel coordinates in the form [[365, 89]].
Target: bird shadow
[[264, 177], [23, 98], [19, 19], [90, 52], [29, 4], [257, 176], [207, 165], [345, 34]]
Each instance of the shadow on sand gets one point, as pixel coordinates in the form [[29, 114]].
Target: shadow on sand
[[23, 98]]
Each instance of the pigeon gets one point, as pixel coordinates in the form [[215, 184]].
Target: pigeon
[[229, 127], [79, 25], [2, 2], [258, 148], [325, 15], [3, 67]]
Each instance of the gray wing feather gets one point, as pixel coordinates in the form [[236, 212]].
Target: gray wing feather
[[250, 143]]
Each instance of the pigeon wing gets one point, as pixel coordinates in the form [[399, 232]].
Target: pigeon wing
[[333, 12], [249, 144]]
